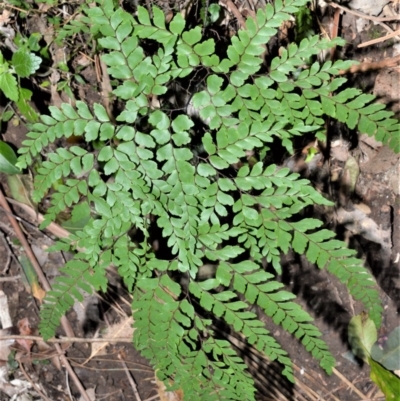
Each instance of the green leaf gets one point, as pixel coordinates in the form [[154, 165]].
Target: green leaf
[[388, 355], [24, 63], [209, 146], [9, 86], [192, 36], [100, 112], [205, 170], [8, 160], [387, 381], [206, 48], [214, 11], [24, 107], [177, 24], [362, 335]]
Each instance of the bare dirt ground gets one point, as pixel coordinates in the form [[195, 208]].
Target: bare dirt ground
[[108, 373]]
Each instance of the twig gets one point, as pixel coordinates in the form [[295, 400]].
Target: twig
[[130, 378], [387, 27], [54, 228], [377, 65], [312, 380], [106, 89], [4, 4], [21, 366], [362, 15], [378, 40], [9, 255], [154, 397], [349, 383], [42, 278], [68, 387], [13, 278], [68, 339], [17, 217], [378, 20], [231, 6], [334, 33], [46, 286]]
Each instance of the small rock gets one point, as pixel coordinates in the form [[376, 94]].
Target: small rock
[[369, 7]]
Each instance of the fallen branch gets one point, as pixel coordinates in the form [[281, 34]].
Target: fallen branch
[[233, 9], [130, 378], [46, 286], [377, 65], [378, 40], [349, 383], [362, 15], [67, 339], [53, 228]]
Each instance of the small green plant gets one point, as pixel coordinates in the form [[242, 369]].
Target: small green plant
[[23, 64], [157, 166], [384, 359]]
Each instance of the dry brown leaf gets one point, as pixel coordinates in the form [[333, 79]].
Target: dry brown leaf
[[122, 329], [24, 328], [91, 393], [5, 17], [168, 395], [48, 352], [83, 60]]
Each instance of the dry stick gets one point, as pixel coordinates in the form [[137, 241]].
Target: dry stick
[[46, 286], [131, 381], [21, 365], [312, 380], [231, 6], [349, 383], [10, 255], [154, 397], [13, 278], [362, 15], [106, 89], [307, 390], [379, 20], [335, 30], [54, 228], [382, 39], [377, 65], [42, 278], [388, 28], [68, 339]]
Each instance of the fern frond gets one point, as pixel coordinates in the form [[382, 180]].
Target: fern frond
[[163, 326], [67, 289], [332, 254], [235, 313], [153, 166]]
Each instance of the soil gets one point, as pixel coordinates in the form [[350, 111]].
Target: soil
[[111, 372]]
